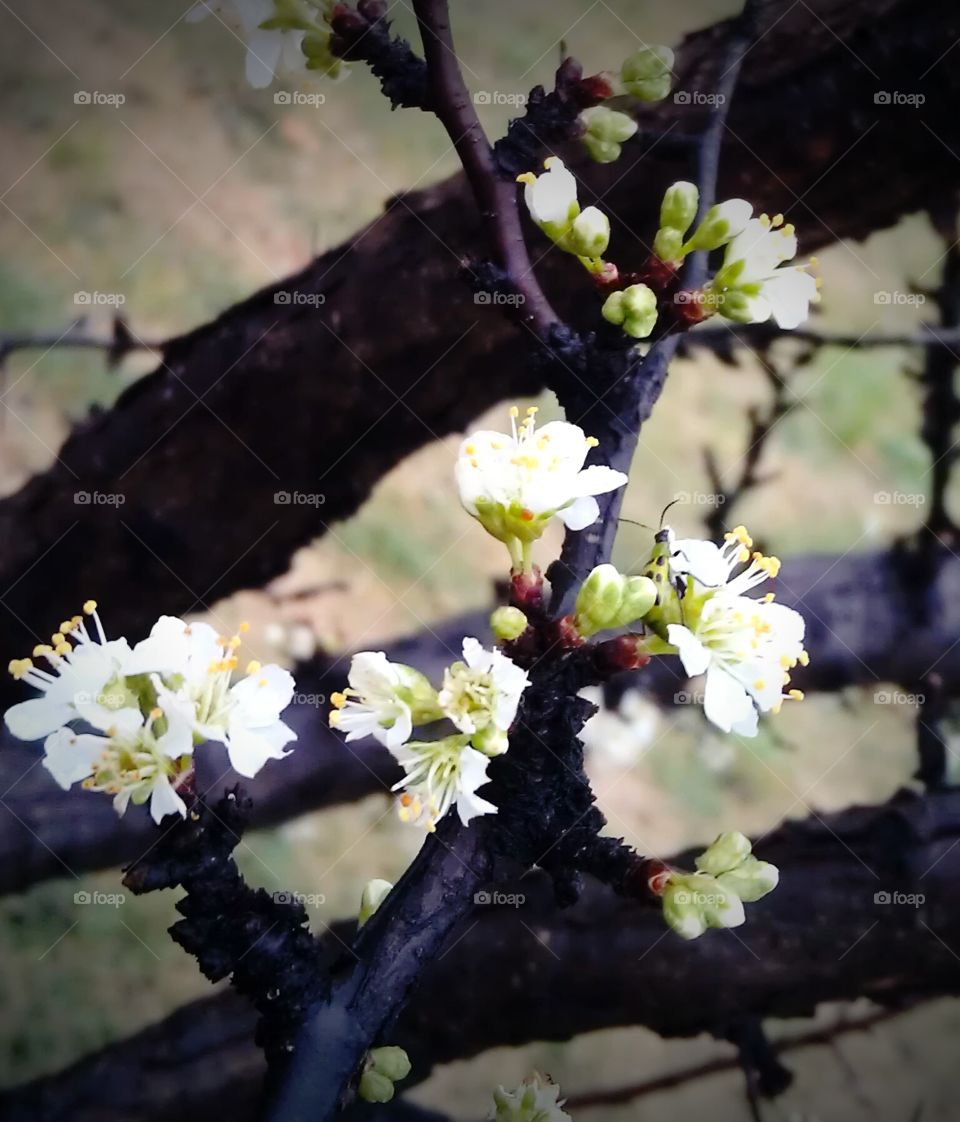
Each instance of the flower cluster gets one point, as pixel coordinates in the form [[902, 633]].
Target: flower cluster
[[745, 646], [148, 707], [727, 877], [537, 1099], [515, 483], [284, 38], [754, 283], [551, 199], [479, 697]]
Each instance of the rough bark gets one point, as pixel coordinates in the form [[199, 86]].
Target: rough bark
[[324, 399], [537, 973]]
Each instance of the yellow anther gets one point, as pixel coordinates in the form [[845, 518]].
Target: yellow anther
[[57, 639], [777, 220], [759, 684], [776, 707], [527, 177], [744, 554], [797, 695], [230, 663], [473, 463], [63, 649], [592, 442], [514, 411], [786, 662], [789, 230], [803, 658], [262, 682], [769, 598], [41, 649], [333, 719], [20, 667], [156, 713], [67, 626], [470, 449], [89, 607], [338, 699], [765, 220], [253, 666], [532, 410], [234, 642], [244, 627]]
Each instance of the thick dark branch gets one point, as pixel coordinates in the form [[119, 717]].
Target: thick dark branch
[[536, 973], [326, 399]]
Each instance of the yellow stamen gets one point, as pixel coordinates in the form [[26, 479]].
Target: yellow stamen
[[253, 667], [797, 695], [89, 607], [244, 627]]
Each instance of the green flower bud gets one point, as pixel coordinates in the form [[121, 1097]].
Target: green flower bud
[[391, 1062], [726, 853], [733, 305], [491, 741], [639, 596], [375, 1088], [646, 74], [605, 130], [599, 599], [679, 206], [751, 880], [373, 895], [720, 224], [633, 308], [668, 244], [415, 689], [589, 235], [682, 912], [508, 623]]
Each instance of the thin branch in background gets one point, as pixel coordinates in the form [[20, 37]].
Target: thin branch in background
[[117, 345], [722, 1064], [761, 424], [932, 752], [721, 336]]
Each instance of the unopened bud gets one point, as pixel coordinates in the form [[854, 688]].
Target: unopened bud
[[646, 74], [726, 853], [589, 235], [679, 206], [373, 895], [634, 309], [391, 1062], [720, 224], [508, 623], [751, 880], [375, 1088], [604, 131]]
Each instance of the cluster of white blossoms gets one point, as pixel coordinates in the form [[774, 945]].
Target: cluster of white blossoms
[[745, 646], [551, 199], [142, 710], [479, 697], [537, 1099], [515, 483], [754, 283], [284, 38], [727, 877]]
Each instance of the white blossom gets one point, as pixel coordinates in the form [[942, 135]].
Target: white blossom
[[193, 668], [754, 283], [514, 483], [383, 700], [82, 682], [481, 694], [270, 52], [537, 1099], [139, 765], [440, 774]]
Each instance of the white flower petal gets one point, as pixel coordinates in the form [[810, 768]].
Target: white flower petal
[[68, 756], [38, 717], [725, 701], [693, 654], [580, 513]]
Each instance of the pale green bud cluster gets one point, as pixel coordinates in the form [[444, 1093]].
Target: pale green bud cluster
[[384, 1067], [537, 1099], [608, 599], [647, 73], [605, 130], [373, 895], [508, 623], [727, 877], [718, 226], [634, 309]]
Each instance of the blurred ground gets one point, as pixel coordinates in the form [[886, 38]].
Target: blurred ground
[[196, 191]]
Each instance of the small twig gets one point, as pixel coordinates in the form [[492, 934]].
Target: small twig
[[117, 344], [714, 335], [667, 1082], [496, 197]]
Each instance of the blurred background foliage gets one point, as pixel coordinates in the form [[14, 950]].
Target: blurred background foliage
[[197, 191]]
